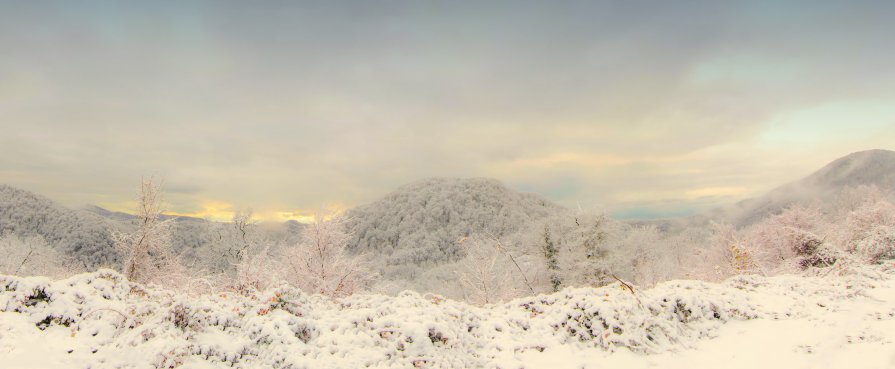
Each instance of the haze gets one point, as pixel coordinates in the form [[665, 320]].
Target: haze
[[644, 108]]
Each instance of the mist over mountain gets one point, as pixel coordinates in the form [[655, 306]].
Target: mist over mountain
[[863, 168], [421, 222], [870, 167]]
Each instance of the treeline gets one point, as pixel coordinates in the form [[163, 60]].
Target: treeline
[[544, 251], [852, 229]]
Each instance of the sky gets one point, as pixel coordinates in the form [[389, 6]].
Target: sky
[[640, 108]]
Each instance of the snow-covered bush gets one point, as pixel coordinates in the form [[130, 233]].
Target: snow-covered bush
[[788, 241], [101, 319], [869, 231]]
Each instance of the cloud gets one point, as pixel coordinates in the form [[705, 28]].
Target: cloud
[[290, 106]]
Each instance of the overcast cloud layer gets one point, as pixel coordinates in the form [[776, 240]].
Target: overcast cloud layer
[[643, 108]]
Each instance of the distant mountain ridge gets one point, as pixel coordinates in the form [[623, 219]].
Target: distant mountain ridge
[[126, 217]]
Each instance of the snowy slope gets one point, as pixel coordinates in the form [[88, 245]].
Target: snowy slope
[[100, 320]]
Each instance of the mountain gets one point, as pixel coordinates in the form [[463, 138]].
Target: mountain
[[421, 222], [863, 168], [871, 167], [126, 217], [82, 235]]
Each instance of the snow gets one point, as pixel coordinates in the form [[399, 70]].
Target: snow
[[100, 320]]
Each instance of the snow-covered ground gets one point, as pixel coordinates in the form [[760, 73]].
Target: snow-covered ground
[[100, 320]]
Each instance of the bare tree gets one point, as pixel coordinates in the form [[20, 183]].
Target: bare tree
[[248, 254], [147, 252], [486, 274], [239, 254], [320, 262]]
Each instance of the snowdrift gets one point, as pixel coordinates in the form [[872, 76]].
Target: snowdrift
[[101, 320]]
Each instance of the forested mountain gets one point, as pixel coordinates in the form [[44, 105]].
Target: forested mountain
[[421, 222], [79, 234], [85, 234]]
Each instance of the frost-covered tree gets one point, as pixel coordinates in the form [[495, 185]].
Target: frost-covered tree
[[550, 253], [247, 253], [486, 274], [869, 231], [788, 241], [146, 252], [586, 252], [791, 241], [727, 254], [320, 262], [31, 256], [679, 249], [642, 253]]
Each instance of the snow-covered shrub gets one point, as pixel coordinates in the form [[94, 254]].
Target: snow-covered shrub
[[101, 319], [725, 254], [877, 245], [788, 241], [869, 231]]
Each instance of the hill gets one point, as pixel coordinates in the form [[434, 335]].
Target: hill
[[421, 222], [82, 235]]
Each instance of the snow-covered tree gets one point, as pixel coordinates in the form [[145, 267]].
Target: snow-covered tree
[[682, 249], [869, 231], [486, 274], [240, 254], [320, 262], [789, 241], [550, 253], [147, 253], [643, 254], [29, 256]]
